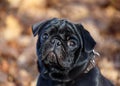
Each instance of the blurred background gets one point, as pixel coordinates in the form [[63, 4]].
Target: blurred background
[[17, 44]]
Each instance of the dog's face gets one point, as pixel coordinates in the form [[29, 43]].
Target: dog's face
[[58, 47], [62, 46]]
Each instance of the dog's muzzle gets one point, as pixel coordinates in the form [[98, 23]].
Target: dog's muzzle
[[51, 58]]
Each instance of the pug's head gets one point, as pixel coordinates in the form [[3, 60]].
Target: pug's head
[[63, 48]]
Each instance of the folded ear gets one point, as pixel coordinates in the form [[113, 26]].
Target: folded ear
[[88, 42], [36, 27]]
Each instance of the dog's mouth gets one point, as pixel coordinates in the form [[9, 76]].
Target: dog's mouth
[[52, 60]]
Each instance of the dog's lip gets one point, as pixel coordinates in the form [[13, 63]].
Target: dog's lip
[[53, 60], [52, 54], [51, 57]]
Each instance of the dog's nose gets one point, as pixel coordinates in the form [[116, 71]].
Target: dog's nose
[[56, 42]]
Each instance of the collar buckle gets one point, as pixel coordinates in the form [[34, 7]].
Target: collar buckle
[[90, 66]]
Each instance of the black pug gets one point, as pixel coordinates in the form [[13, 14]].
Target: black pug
[[66, 55]]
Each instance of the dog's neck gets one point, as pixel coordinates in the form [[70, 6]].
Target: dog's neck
[[69, 75], [66, 77]]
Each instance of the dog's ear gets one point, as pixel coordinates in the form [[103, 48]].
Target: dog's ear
[[38, 26], [88, 42]]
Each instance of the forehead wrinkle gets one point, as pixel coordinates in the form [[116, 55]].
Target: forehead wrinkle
[[56, 24], [48, 27], [53, 24], [75, 31], [59, 25], [62, 24], [70, 28]]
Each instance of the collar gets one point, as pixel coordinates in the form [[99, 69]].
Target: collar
[[91, 63], [90, 66]]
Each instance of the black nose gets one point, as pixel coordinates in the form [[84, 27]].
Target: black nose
[[56, 42]]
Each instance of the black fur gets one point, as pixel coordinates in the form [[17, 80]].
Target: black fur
[[64, 50]]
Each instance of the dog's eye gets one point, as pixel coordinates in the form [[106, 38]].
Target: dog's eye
[[71, 43], [45, 36]]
